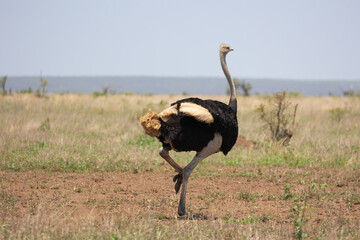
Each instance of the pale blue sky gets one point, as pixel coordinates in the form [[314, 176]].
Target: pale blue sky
[[304, 39]]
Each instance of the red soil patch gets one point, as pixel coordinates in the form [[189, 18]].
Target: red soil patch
[[242, 142], [235, 193]]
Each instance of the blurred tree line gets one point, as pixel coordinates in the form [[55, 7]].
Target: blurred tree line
[[241, 87], [39, 92]]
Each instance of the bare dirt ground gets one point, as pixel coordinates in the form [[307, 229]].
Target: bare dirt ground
[[263, 194]]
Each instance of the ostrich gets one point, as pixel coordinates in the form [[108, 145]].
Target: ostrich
[[193, 124]]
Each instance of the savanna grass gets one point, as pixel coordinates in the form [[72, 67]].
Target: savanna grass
[[40, 225], [84, 133]]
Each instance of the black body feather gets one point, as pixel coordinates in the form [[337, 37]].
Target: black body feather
[[186, 133]]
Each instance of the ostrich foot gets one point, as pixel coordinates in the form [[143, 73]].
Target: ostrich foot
[[193, 216], [178, 181], [198, 216]]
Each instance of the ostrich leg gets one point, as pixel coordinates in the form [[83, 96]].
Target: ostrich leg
[[213, 147], [164, 153]]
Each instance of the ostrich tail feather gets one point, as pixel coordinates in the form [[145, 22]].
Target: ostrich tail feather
[[151, 124]]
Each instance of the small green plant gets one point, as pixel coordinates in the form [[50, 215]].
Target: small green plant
[[352, 198], [337, 114], [287, 192], [301, 181], [77, 189], [246, 196], [160, 216], [299, 221]]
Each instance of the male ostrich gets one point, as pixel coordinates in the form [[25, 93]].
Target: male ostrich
[[193, 124]]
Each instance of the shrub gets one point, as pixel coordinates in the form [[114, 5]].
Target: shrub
[[277, 116], [41, 90], [2, 84], [244, 86]]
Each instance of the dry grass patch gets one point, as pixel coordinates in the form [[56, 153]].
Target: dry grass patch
[[80, 167]]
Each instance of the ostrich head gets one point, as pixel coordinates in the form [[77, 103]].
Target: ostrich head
[[224, 49]]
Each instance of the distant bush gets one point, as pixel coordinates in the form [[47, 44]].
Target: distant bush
[[29, 90], [41, 90], [109, 90], [2, 84], [294, 94], [241, 85], [106, 90], [277, 116], [131, 93], [98, 94], [351, 93]]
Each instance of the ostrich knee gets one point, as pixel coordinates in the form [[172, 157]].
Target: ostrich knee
[[164, 152]]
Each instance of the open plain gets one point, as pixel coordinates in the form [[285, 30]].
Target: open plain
[[78, 166]]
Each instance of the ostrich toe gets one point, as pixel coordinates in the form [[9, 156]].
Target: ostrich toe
[[178, 181]]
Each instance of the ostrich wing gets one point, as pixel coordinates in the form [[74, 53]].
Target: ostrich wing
[[187, 108]]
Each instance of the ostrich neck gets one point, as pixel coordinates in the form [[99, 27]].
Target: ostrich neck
[[232, 102]]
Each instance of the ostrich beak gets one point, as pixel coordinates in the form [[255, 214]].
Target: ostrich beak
[[231, 49]]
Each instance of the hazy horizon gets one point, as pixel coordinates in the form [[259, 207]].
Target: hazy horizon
[[178, 85], [185, 77]]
